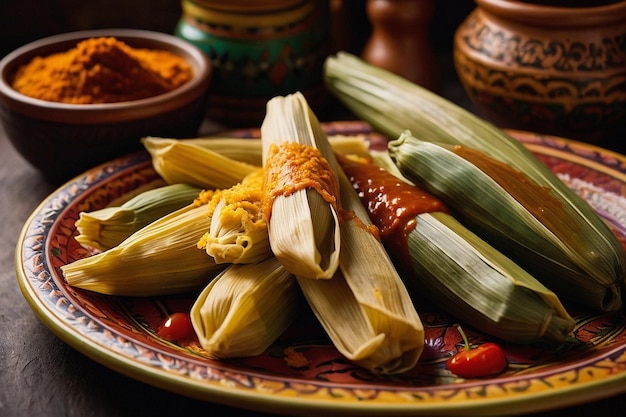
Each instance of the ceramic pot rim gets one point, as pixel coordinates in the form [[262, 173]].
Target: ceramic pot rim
[[237, 18], [538, 14], [248, 6]]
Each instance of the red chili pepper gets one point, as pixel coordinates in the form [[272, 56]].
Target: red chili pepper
[[176, 327], [473, 362]]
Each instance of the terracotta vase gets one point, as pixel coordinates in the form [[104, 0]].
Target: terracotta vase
[[546, 68], [400, 41], [258, 50]]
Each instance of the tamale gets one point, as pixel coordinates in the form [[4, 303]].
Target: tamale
[[237, 228], [245, 308], [107, 227], [378, 289], [364, 307], [161, 258], [522, 219], [452, 267], [392, 104], [300, 190], [179, 161], [248, 150]]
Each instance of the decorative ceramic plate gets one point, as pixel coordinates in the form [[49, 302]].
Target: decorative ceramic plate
[[120, 332]]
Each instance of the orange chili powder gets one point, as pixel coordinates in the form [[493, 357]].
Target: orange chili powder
[[102, 70]]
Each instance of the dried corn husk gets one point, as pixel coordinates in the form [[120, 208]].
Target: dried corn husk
[[237, 230], [378, 290], [248, 150], [392, 104], [364, 307], [525, 221], [159, 259], [108, 227], [179, 161], [455, 269], [245, 308], [301, 213]]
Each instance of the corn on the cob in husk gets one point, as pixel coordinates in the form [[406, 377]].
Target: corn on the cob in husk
[[300, 195], [364, 307], [237, 228], [248, 150], [179, 161], [107, 227], [245, 308], [161, 258], [522, 219], [392, 104], [454, 268]]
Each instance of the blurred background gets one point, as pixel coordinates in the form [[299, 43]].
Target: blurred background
[[27, 20]]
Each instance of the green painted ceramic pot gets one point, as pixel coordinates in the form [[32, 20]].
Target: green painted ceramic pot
[[258, 50]]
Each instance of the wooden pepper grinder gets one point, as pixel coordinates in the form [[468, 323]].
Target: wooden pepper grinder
[[400, 40]]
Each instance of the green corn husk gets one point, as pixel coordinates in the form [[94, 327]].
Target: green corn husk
[[248, 150], [238, 230], [245, 308], [108, 227], [392, 105], [124, 197], [479, 285], [523, 220], [454, 269], [303, 226], [159, 259], [182, 162]]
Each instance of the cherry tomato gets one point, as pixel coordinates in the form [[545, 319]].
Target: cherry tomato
[[473, 362], [176, 327]]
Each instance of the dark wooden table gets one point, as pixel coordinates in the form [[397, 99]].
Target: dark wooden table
[[42, 376]]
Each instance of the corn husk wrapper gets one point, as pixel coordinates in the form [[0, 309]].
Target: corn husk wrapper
[[392, 105], [107, 227], [452, 267], [238, 230], [379, 290], [526, 222], [159, 259], [179, 161], [303, 224], [245, 308], [479, 285], [364, 307], [249, 150], [124, 197]]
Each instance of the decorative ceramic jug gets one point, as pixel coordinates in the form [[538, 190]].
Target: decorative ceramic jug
[[549, 68], [259, 49]]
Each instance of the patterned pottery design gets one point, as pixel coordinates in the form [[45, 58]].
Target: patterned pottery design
[[255, 56], [120, 332], [547, 69]]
